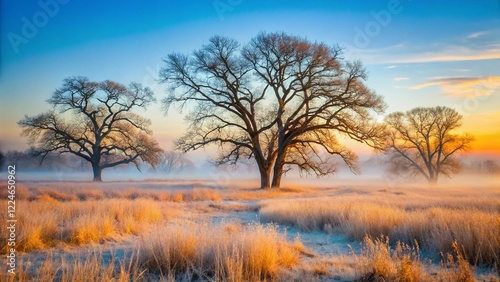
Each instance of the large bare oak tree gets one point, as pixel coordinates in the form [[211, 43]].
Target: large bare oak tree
[[317, 96], [425, 141], [281, 100], [94, 120]]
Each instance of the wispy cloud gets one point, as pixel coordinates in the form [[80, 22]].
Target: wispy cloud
[[481, 45], [477, 34], [464, 87], [352, 52], [400, 78], [399, 54], [452, 53]]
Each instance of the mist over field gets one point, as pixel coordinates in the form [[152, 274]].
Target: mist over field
[[372, 169]]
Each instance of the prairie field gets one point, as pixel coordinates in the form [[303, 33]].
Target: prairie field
[[200, 231]]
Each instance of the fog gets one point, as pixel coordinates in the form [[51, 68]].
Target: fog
[[372, 174]]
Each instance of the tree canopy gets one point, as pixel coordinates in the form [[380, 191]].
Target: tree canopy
[[281, 100], [425, 141], [95, 121]]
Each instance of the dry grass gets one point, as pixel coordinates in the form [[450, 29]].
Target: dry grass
[[243, 194], [463, 225], [475, 225], [62, 193], [47, 222], [84, 191], [379, 262], [456, 267], [90, 266], [229, 252], [234, 207], [183, 252], [79, 213]]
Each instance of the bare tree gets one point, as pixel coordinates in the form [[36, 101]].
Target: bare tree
[[103, 129], [490, 166], [174, 161], [217, 82], [424, 141], [26, 159], [2, 159], [317, 96], [280, 100]]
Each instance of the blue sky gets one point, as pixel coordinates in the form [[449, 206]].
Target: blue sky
[[417, 53]]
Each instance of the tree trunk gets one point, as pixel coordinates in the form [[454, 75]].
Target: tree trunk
[[96, 168], [278, 169], [433, 175], [277, 174], [265, 178], [264, 181], [96, 160], [433, 180]]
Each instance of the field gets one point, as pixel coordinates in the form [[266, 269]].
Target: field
[[198, 231]]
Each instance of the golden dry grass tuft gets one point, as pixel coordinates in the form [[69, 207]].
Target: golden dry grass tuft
[[245, 194], [456, 267], [201, 194], [378, 262], [90, 194], [229, 252]]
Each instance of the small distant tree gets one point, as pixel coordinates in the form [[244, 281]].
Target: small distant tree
[[173, 161], [102, 129], [2, 159], [425, 141], [14, 157], [491, 166], [30, 160]]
